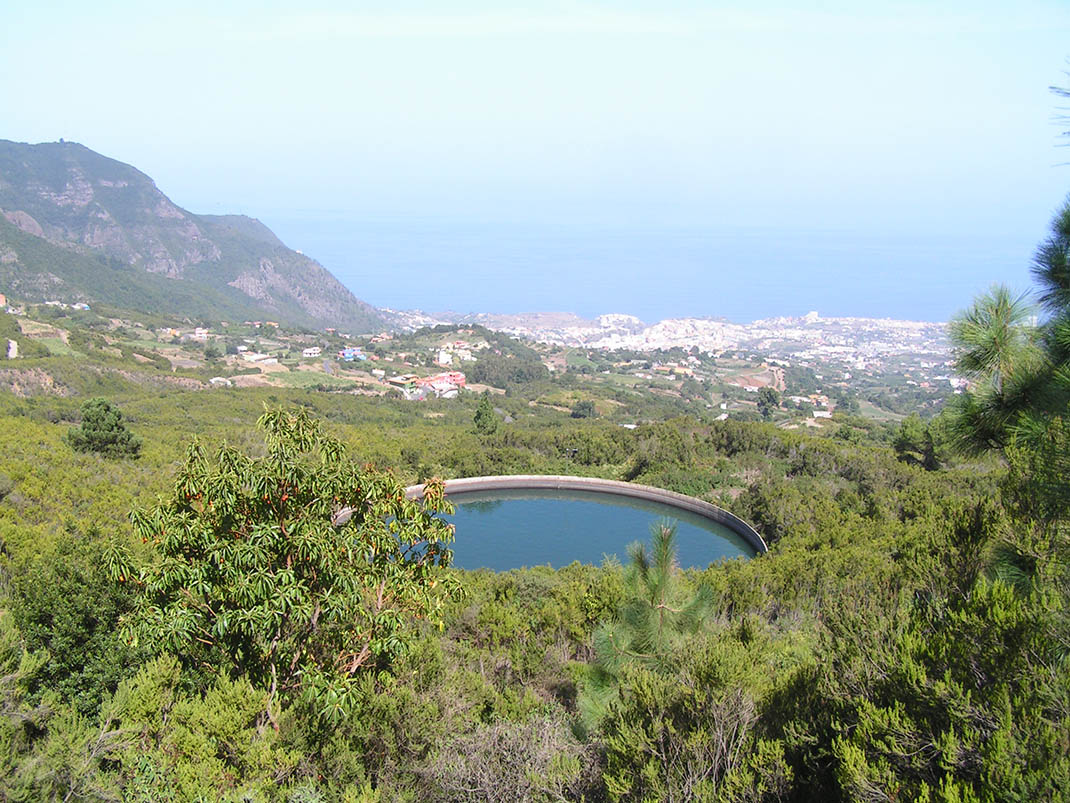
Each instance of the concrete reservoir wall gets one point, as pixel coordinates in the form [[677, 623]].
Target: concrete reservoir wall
[[553, 482]]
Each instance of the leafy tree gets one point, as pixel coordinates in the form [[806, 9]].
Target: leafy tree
[[103, 431], [768, 402], [298, 569], [657, 615], [583, 409], [485, 420]]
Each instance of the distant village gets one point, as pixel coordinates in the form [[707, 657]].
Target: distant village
[[723, 365], [364, 364]]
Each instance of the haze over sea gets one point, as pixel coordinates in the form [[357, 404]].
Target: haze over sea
[[678, 158], [657, 271]]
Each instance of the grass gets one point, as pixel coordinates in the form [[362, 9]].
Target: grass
[[621, 379], [578, 360], [308, 379], [57, 347], [870, 410]]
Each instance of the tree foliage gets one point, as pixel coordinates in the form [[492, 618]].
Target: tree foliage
[[768, 402], [298, 569], [1051, 264], [657, 614], [914, 443], [583, 409], [103, 431], [1020, 400], [485, 420]]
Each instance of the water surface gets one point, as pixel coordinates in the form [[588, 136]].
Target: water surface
[[509, 529]]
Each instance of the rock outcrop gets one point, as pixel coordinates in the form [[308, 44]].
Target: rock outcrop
[[74, 199]]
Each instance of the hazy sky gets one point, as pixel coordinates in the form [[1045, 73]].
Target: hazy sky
[[657, 158]]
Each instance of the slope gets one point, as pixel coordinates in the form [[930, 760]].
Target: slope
[[85, 225]]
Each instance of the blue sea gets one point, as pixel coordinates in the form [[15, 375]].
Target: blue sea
[[657, 271]]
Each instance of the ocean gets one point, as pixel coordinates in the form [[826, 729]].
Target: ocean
[[656, 271]]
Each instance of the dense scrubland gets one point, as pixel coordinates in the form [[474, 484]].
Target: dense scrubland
[[883, 646], [269, 620]]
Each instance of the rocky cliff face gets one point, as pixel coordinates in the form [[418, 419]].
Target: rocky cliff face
[[88, 204]]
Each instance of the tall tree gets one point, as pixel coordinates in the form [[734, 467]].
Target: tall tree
[[768, 402], [994, 345], [298, 569], [486, 422], [914, 443]]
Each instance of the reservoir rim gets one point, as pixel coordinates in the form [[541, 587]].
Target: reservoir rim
[[559, 482]]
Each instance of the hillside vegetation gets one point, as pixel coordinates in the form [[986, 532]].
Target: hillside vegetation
[[782, 692], [78, 226], [212, 586]]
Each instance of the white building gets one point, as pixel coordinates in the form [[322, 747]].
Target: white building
[[315, 351]]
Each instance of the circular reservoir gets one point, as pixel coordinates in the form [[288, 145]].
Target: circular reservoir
[[501, 524]]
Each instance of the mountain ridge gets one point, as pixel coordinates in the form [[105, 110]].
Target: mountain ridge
[[89, 214]]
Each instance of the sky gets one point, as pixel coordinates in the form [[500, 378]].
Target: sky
[[735, 159]]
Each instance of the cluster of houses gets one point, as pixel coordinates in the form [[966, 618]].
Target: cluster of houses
[[351, 353], [818, 401], [199, 334], [257, 357], [16, 310], [674, 369], [348, 354], [445, 385], [457, 350], [332, 331], [11, 309], [61, 305]]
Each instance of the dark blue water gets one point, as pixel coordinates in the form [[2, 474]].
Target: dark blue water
[[504, 530]]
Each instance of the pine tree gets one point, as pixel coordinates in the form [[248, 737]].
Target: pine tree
[[103, 431], [657, 615], [485, 420]]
